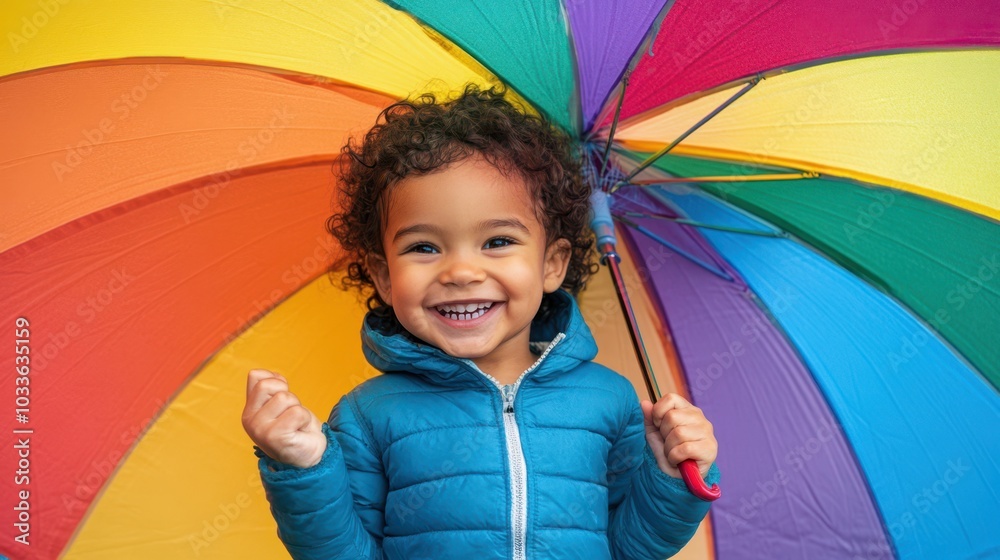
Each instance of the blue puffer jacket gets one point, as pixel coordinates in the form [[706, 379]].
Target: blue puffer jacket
[[435, 460]]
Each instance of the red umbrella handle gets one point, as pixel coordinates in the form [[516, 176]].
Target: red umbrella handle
[[696, 485]]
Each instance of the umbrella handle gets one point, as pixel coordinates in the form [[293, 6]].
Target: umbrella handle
[[696, 485]]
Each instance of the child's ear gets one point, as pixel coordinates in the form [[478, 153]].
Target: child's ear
[[556, 264], [378, 270]]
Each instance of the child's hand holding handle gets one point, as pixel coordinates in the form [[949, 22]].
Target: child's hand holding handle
[[278, 423], [678, 432]]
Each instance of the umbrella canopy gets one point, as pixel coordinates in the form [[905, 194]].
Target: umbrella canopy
[[816, 265]]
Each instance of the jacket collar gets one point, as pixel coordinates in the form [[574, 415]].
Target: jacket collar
[[391, 352]]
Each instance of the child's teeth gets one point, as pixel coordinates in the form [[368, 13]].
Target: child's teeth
[[465, 312], [465, 308]]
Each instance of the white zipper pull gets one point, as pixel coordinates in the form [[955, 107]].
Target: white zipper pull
[[508, 399]]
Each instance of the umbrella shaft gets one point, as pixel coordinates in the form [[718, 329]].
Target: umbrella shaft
[[689, 468], [611, 259]]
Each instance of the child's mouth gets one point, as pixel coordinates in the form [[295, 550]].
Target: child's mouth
[[465, 314]]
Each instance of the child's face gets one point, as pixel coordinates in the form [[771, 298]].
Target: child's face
[[468, 235]]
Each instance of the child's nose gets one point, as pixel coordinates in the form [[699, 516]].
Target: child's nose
[[461, 272]]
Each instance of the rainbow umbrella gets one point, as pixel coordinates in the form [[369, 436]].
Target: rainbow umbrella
[[811, 256]]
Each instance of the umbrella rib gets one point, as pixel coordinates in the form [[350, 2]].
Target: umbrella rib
[[716, 271], [730, 178], [640, 49], [614, 123], [651, 159], [577, 98], [693, 223], [699, 239]]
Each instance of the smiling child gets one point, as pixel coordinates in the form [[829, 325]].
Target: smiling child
[[491, 433]]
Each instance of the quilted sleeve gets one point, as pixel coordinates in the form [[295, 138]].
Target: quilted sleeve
[[334, 509], [652, 515]]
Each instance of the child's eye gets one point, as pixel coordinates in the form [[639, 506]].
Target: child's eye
[[498, 242], [423, 248]]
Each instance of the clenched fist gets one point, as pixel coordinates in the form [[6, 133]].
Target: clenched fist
[[677, 430], [275, 420]]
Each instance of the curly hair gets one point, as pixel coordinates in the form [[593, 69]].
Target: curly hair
[[418, 136]]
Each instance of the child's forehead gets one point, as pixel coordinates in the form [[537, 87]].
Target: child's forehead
[[471, 187]]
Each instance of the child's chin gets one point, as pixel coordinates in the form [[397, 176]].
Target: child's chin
[[466, 354], [466, 351], [461, 351]]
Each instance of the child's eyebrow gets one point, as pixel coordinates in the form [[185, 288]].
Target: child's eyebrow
[[504, 223], [418, 228], [483, 226]]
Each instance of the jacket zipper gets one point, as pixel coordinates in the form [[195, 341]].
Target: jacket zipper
[[518, 474], [515, 455]]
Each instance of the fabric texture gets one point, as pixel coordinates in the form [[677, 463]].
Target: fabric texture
[[417, 461]]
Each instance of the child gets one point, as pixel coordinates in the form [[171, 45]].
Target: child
[[491, 434]]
